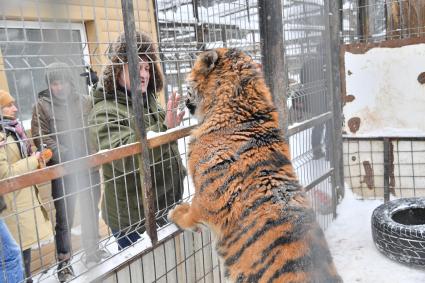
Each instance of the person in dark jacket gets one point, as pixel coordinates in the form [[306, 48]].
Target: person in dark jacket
[[59, 122], [313, 89], [112, 125]]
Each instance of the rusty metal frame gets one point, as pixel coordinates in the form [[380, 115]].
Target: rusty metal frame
[[53, 172]]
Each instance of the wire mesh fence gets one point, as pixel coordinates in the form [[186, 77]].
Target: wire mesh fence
[[66, 66], [374, 170], [309, 88]]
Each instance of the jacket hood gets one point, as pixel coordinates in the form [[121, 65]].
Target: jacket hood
[[117, 54], [120, 96]]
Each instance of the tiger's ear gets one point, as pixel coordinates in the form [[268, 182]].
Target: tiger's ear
[[209, 60]]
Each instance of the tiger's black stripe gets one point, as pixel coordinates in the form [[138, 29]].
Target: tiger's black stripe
[[296, 234], [210, 180], [236, 237], [224, 164], [255, 277], [296, 266], [256, 141], [210, 156], [256, 237], [289, 185], [266, 199], [278, 160], [301, 227], [260, 140]]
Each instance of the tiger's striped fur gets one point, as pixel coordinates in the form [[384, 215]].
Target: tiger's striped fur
[[246, 190]]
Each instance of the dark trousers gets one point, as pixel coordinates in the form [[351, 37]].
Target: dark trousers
[[26, 254], [65, 192], [317, 136], [64, 201], [124, 240]]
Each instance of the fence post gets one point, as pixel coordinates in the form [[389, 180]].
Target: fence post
[[363, 21], [199, 27], [272, 54], [332, 9], [386, 169], [137, 103]]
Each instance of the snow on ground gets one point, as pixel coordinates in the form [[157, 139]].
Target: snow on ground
[[356, 258]]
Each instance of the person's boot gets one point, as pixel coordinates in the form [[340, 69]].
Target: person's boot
[[93, 258], [65, 271]]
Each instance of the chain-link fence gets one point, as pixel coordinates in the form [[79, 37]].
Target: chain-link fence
[[82, 184], [377, 167]]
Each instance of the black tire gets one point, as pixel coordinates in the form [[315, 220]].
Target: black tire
[[398, 230]]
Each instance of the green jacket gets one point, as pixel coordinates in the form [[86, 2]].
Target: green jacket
[[111, 125]]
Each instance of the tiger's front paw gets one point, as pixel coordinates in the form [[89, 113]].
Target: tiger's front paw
[[178, 212], [182, 217]]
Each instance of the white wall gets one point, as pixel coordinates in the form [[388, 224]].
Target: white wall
[[389, 100]]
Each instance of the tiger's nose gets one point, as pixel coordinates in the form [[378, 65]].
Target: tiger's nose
[[191, 106]]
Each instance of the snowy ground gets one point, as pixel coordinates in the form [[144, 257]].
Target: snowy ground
[[351, 244]]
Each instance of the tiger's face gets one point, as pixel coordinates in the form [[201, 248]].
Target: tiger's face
[[216, 77], [191, 100], [200, 75]]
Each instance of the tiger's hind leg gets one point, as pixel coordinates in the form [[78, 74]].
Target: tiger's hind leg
[[185, 216]]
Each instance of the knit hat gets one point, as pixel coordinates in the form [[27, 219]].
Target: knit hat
[[59, 71], [5, 98], [117, 54]]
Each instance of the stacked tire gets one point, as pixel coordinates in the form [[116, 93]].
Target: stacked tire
[[398, 230]]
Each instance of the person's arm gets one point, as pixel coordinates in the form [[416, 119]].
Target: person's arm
[[22, 166]]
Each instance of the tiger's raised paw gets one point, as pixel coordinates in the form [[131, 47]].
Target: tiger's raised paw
[[181, 216]]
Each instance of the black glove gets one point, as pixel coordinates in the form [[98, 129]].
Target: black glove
[[91, 76]]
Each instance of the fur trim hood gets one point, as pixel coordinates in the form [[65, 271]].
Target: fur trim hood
[[117, 54]]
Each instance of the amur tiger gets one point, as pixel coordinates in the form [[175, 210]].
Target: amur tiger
[[246, 190]]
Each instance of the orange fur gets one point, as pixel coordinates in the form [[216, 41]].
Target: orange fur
[[246, 189]]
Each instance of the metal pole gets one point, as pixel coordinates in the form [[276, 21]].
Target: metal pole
[[199, 27], [335, 103], [362, 21], [272, 52], [386, 169], [161, 54], [137, 102]]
